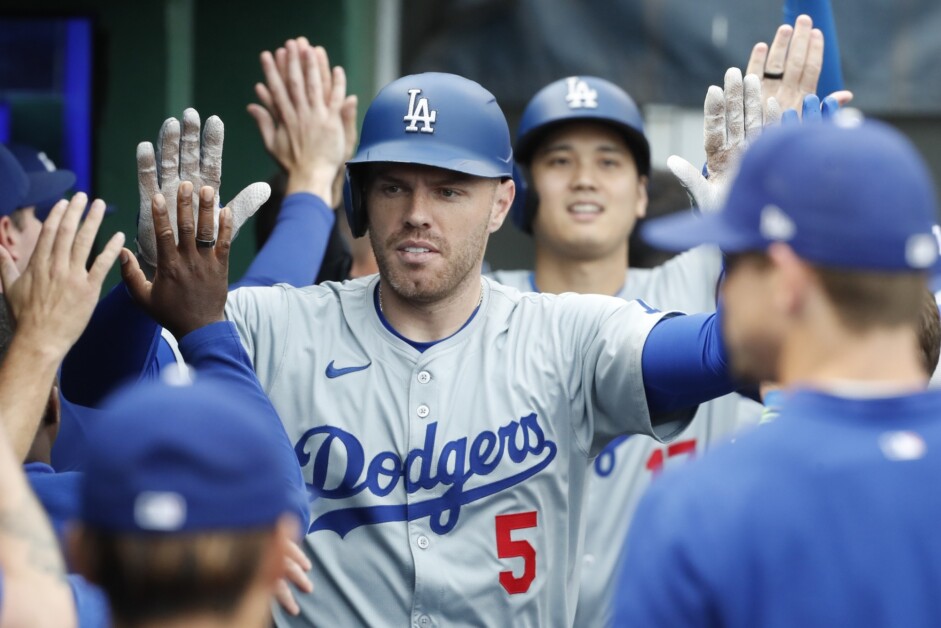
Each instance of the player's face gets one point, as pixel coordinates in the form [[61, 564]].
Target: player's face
[[429, 227], [590, 195], [752, 326]]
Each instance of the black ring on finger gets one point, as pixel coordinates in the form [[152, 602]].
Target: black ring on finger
[[205, 244], [774, 75]]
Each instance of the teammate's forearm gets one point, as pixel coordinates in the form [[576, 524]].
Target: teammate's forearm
[[35, 591], [294, 252], [684, 364], [26, 379]]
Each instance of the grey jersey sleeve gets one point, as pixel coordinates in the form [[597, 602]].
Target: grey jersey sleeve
[[262, 317], [605, 380], [687, 283]]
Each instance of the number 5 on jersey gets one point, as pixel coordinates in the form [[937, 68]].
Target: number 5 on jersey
[[508, 548]]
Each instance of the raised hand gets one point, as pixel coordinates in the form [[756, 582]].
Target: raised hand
[[733, 117], [184, 155], [790, 68], [306, 120], [53, 299], [190, 283]]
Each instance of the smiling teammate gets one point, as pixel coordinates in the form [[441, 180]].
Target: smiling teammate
[[582, 149]]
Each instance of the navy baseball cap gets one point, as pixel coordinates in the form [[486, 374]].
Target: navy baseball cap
[[45, 184], [845, 194], [175, 458]]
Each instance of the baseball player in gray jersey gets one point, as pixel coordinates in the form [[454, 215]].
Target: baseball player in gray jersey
[[445, 424], [585, 159]]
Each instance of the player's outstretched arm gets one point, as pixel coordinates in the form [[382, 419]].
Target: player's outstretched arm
[[304, 141], [51, 302], [187, 296], [306, 119], [35, 591], [684, 363]]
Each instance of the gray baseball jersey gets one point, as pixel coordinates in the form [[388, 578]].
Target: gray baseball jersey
[[624, 469], [446, 486]]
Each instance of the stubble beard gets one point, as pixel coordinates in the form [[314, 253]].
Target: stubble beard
[[460, 263]]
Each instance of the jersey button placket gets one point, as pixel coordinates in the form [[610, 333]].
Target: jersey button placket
[[422, 412], [423, 621]]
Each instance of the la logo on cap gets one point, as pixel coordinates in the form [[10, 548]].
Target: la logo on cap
[[419, 112], [921, 250], [580, 96], [160, 510], [776, 225]]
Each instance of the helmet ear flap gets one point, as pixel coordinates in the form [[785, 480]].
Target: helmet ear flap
[[526, 201], [354, 203]]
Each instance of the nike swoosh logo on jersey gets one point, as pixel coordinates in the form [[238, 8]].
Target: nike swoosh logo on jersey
[[332, 371]]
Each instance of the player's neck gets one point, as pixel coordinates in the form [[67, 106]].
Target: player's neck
[[828, 359], [430, 321], [604, 275]]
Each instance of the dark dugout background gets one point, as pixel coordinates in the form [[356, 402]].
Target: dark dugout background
[[669, 52]]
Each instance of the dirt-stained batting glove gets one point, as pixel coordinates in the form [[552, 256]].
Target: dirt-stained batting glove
[[186, 157]]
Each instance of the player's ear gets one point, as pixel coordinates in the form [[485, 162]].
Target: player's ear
[[642, 197], [502, 201], [8, 233], [792, 278]]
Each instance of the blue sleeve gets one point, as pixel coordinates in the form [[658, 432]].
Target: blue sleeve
[[118, 345], [91, 604], [659, 584], [820, 11], [684, 364], [216, 351], [294, 252]]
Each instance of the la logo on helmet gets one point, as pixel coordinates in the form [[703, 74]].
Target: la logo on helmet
[[581, 96], [419, 112]]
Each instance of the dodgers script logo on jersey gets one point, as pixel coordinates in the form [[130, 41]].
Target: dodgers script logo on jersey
[[581, 96], [517, 451], [419, 112]]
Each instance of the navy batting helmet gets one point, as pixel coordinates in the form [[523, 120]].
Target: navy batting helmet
[[432, 119], [567, 100]]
